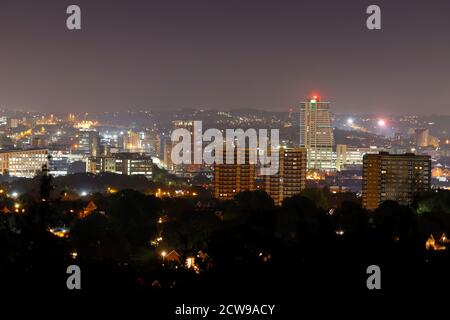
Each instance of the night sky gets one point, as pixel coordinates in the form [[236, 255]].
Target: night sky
[[225, 54]]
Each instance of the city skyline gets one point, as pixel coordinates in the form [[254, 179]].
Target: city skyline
[[155, 55]]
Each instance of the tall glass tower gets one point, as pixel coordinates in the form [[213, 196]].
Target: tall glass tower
[[316, 133]]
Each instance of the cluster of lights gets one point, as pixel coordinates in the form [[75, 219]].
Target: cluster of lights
[[17, 208], [86, 124], [156, 242], [437, 245], [314, 175], [178, 193], [159, 193], [59, 232]]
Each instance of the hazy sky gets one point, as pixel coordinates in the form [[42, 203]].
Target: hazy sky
[[225, 54]]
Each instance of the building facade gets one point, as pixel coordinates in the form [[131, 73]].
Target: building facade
[[63, 163], [397, 177], [347, 156], [230, 179], [122, 163], [291, 177], [422, 136], [131, 142], [23, 163], [185, 169], [89, 142]]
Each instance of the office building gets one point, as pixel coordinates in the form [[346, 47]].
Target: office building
[[351, 157], [23, 163], [62, 163], [89, 142], [316, 133], [122, 163]]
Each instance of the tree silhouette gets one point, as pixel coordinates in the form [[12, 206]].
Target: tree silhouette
[[46, 181]]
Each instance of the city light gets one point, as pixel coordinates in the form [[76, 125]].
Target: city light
[[240, 180], [85, 124], [189, 262], [111, 190], [59, 232], [156, 242]]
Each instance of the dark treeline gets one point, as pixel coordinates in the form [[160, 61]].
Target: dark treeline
[[247, 244]]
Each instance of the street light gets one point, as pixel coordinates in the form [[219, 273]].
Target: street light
[[163, 255]]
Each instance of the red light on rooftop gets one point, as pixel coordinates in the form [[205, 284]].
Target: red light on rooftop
[[315, 97]]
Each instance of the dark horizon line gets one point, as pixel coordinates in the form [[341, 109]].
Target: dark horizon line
[[211, 109]]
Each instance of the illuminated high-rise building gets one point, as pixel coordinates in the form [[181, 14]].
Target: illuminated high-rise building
[[71, 118], [192, 168], [89, 142], [167, 158], [131, 141], [316, 133], [151, 143], [230, 179], [422, 136], [291, 177], [397, 177], [13, 122]]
